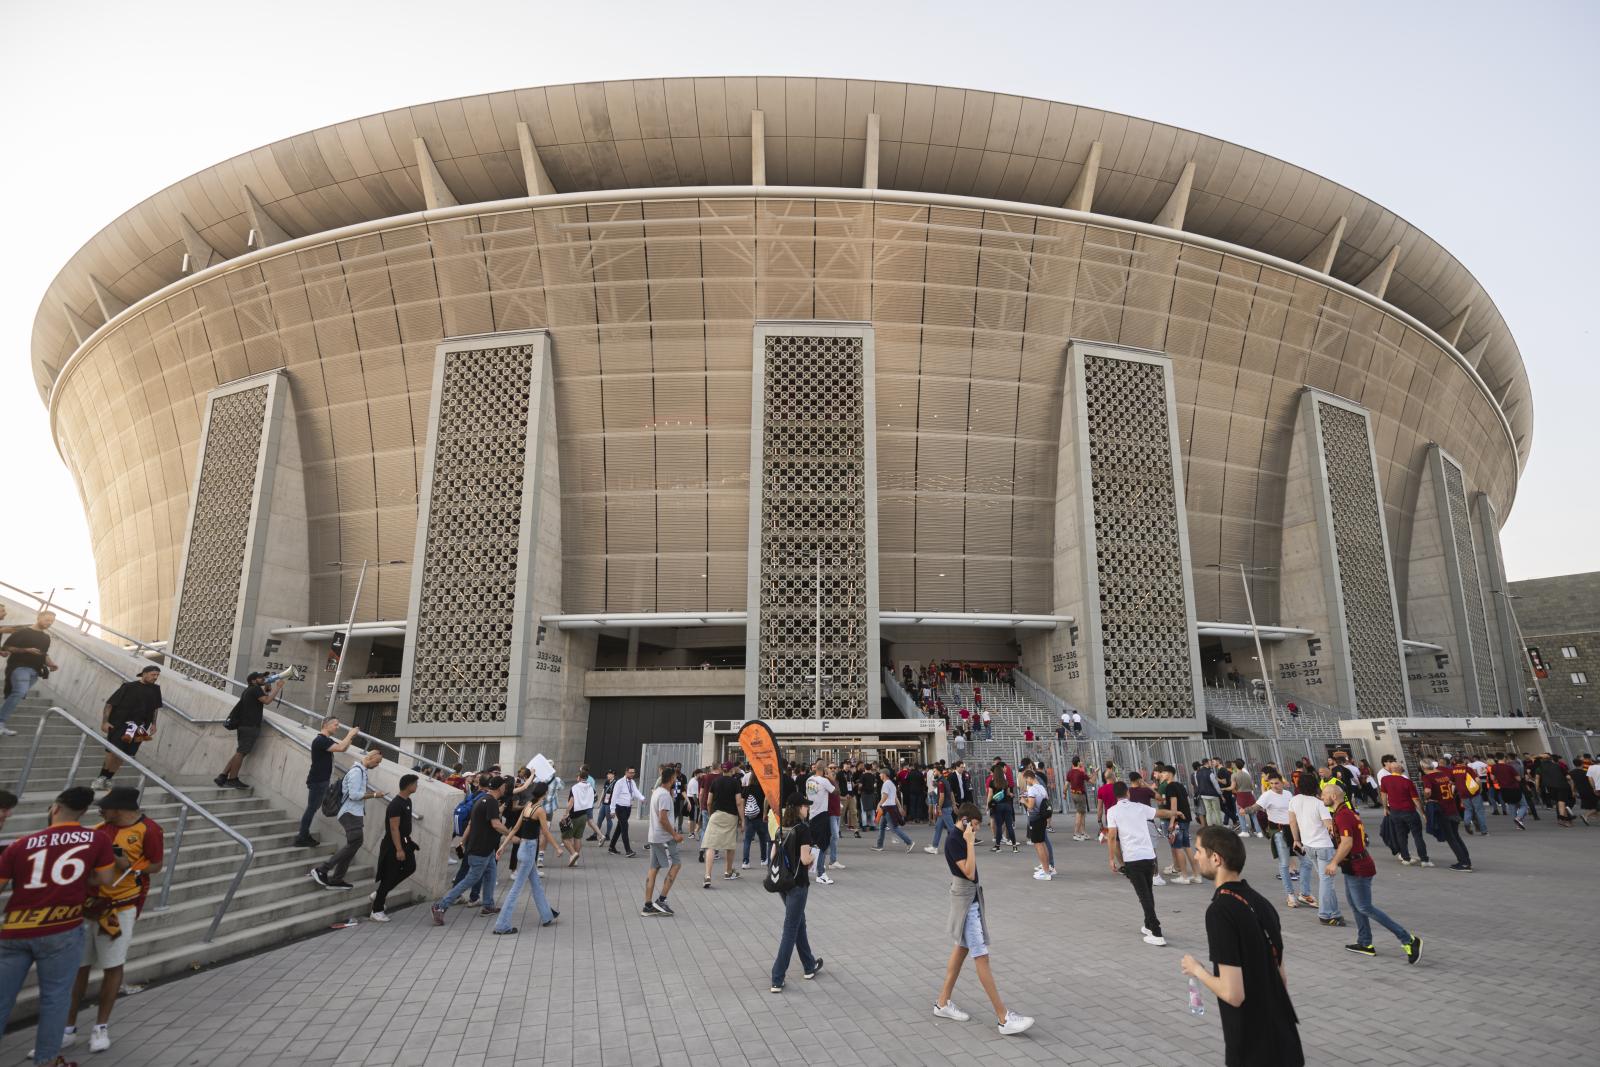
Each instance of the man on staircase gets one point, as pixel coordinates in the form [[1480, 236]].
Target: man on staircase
[[129, 720]]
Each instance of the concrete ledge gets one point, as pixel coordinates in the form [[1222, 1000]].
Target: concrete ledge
[[673, 683]]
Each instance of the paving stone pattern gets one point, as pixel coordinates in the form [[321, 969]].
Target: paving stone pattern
[[1510, 958]]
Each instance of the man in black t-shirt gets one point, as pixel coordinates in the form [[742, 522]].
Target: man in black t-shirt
[[246, 719], [129, 720], [484, 831], [1175, 797], [323, 746], [27, 659], [397, 853], [1259, 1026]]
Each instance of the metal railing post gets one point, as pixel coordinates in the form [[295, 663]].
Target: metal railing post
[[33, 751], [77, 758], [172, 863]]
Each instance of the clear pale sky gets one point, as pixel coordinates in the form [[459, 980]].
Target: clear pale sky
[[1475, 121]]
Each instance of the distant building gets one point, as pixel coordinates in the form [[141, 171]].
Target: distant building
[[1560, 618]]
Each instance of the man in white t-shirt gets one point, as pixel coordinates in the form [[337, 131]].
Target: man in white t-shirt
[[662, 843], [1133, 853], [889, 813], [818, 788], [1312, 828], [1275, 803], [1594, 775], [988, 725]]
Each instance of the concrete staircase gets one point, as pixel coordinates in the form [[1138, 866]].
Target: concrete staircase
[[1243, 714], [1012, 712], [275, 903]]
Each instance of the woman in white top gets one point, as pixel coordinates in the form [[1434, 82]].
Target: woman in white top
[[1274, 803], [1312, 825], [580, 802]]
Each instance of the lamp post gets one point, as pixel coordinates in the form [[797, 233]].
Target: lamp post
[[350, 621]]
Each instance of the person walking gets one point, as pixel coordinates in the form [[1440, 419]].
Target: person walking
[[600, 819], [50, 874], [949, 786], [1245, 944], [1401, 805], [1353, 858], [623, 798], [1311, 825], [1175, 798], [245, 722], [661, 841], [723, 800], [1508, 786], [755, 821], [1244, 797], [318, 775], [1002, 810], [968, 927], [397, 852], [1207, 792], [795, 853], [530, 831], [1134, 856], [485, 829], [1274, 803], [128, 720], [1440, 790], [353, 818], [112, 910], [889, 814], [580, 806], [27, 659]]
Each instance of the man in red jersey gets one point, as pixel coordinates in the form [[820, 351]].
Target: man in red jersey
[[1440, 790], [1078, 786], [1401, 804], [50, 872]]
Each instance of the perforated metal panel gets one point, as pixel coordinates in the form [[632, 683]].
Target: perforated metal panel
[[1363, 562], [462, 660], [813, 529], [1144, 619], [1477, 650], [206, 621]]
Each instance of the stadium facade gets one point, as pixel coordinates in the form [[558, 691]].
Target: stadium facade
[[784, 381]]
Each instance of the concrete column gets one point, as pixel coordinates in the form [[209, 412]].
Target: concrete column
[[633, 648]]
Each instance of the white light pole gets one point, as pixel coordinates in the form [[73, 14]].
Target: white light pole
[[1255, 633], [817, 681], [349, 624]]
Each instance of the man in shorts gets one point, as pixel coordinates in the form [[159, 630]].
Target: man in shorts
[[246, 719], [723, 800], [661, 841], [129, 720], [111, 910], [1176, 800]]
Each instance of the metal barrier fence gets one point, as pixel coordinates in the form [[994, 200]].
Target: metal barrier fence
[[651, 757]]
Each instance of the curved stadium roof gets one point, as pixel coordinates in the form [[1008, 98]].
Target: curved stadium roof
[[689, 132]]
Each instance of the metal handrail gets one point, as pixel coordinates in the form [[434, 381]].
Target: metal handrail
[[902, 700], [86, 735], [315, 716]]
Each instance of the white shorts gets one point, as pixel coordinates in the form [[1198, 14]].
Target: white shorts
[[98, 949]]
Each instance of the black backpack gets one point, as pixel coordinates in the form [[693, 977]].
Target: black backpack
[[780, 875], [333, 799]]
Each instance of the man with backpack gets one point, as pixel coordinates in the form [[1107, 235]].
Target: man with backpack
[[1469, 787], [1002, 808], [320, 773], [352, 813], [1440, 790]]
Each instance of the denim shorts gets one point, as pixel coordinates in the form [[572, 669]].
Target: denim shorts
[[1180, 833], [974, 932]]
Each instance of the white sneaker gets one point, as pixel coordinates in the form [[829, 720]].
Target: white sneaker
[[1014, 1024], [1158, 880], [910, 849], [6, 731], [836, 865], [930, 850], [950, 1011], [100, 1038], [744, 866], [823, 879], [1169, 870], [1260, 834], [1041, 876], [379, 917], [100, 784], [1155, 939]]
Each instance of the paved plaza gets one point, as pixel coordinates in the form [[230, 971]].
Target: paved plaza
[[1508, 973]]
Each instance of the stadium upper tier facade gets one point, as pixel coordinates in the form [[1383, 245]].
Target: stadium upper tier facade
[[1084, 365]]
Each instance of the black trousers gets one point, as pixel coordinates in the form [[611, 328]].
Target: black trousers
[[392, 870], [1451, 824], [621, 832], [1142, 874]]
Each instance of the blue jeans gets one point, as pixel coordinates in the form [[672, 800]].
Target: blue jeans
[[1282, 841], [314, 795], [833, 842], [1327, 889], [887, 824], [22, 680], [527, 875], [794, 935], [755, 827], [1521, 809], [1474, 812], [57, 956], [480, 873], [946, 824], [603, 820], [1358, 891]]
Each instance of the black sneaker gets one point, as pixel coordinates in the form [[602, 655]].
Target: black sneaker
[[220, 781], [1414, 948], [1361, 950], [815, 970], [318, 877], [702, 857], [306, 842], [661, 905], [613, 851], [1335, 921], [651, 909], [632, 855], [1467, 867], [337, 883], [235, 783], [592, 837]]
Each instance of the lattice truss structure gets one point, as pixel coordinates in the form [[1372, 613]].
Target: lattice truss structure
[[813, 503], [1144, 619], [461, 668], [1471, 588], [1364, 582], [219, 535]]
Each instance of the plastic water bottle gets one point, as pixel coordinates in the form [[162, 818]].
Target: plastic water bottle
[[1197, 1004]]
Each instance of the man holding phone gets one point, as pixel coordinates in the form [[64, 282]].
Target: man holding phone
[[968, 926]]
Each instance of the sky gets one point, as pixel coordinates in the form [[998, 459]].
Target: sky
[[1474, 121]]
